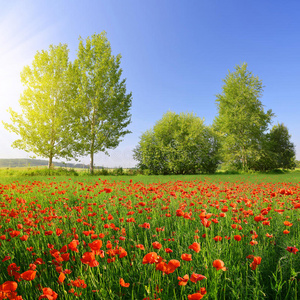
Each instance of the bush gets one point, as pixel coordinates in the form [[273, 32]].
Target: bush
[[178, 144]]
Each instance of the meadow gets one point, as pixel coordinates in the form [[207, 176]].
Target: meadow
[[150, 237]]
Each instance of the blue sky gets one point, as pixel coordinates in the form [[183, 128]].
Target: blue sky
[[175, 55]]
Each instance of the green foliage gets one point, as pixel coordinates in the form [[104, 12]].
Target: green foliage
[[178, 144], [101, 103], [281, 146], [44, 125], [277, 151], [241, 121]]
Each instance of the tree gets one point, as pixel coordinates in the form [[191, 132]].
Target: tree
[[178, 144], [44, 125], [102, 103], [241, 120], [282, 148]]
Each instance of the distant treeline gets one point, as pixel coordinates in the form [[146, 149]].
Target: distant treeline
[[28, 162]]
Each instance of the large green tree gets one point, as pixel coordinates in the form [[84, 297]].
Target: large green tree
[[281, 147], [241, 120], [277, 151], [102, 102], [178, 144], [44, 125]]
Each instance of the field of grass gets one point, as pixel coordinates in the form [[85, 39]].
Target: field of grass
[[168, 237]]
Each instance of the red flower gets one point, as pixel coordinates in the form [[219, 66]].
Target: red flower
[[150, 258], [206, 223], [95, 245], [168, 250], [156, 245], [173, 264], [28, 275], [196, 296], [24, 238], [186, 257], [73, 246], [183, 281], [219, 265], [237, 237], [196, 247], [197, 277], [255, 263], [292, 249], [217, 238], [140, 246], [8, 286], [61, 277], [122, 283], [48, 294], [89, 259], [58, 231]]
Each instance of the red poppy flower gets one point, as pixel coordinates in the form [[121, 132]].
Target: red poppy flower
[[39, 261], [237, 237], [186, 257], [163, 267], [257, 260], [28, 275], [196, 247], [196, 296], [292, 249], [174, 264], [219, 265], [183, 281], [197, 277], [122, 283], [89, 259], [8, 286], [24, 238], [58, 231], [206, 223], [61, 278], [217, 238], [95, 245], [150, 258], [156, 245], [73, 245], [140, 246], [168, 250], [48, 294]]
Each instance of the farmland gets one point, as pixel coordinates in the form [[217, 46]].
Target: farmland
[[150, 237]]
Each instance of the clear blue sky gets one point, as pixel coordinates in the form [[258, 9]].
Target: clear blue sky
[[175, 55]]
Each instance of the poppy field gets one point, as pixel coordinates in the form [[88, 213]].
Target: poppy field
[[97, 238]]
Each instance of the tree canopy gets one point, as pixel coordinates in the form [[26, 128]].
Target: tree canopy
[[44, 125], [178, 144], [241, 120], [72, 109], [102, 101], [282, 149]]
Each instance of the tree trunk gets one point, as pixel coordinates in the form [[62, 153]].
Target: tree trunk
[[50, 164], [92, 143], [92, 163]]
